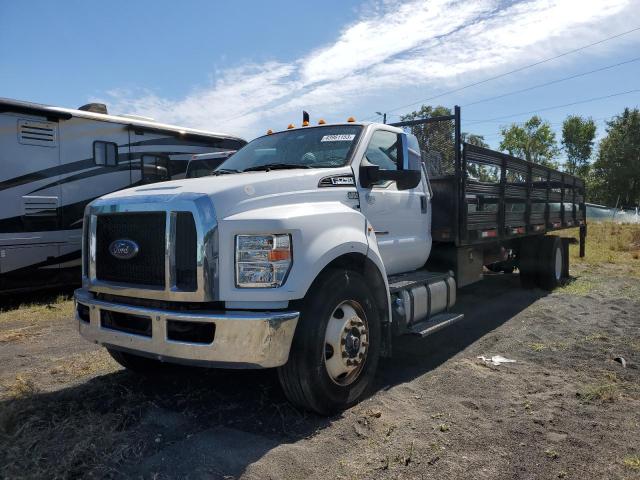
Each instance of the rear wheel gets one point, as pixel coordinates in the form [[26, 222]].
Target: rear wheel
[[552, 263], [528, 262], [336, 347]]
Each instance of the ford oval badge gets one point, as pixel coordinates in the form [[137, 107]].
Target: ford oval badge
[[124, 249]]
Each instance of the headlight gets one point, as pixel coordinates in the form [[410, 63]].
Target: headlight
[[262, 261]]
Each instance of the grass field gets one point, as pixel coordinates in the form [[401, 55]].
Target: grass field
[[609, 243]]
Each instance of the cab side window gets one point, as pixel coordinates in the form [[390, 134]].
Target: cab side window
[[383, 150]]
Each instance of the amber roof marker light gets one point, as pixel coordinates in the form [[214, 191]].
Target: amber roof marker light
[[291, 125], [269, 132], [321, 122], [351, 119], [305, 118]]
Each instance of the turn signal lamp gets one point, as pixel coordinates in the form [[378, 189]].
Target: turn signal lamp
[[291, 125], [351, 119], [321, 122], [269, 132]]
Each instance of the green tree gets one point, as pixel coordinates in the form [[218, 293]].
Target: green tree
[[578, 136], [484, 173], [437, 139], [473, 139], [534, 141], [616, 171]]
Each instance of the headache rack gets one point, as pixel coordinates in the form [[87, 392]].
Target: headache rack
[[482, 196]]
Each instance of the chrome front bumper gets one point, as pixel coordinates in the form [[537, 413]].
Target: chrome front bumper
[[242, 339]]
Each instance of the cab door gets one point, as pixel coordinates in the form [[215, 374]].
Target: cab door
[[400, 218]]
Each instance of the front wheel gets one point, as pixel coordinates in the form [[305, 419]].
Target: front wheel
[[336, 346]]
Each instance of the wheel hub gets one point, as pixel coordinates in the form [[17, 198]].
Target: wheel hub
[[352, 343], [346, 342]]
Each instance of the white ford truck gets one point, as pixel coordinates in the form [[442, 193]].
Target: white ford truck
[[306, 251]]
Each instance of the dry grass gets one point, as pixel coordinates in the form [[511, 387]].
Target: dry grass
[[579, 286], [596, 337], [537, 347], [602, 393], [552, 454], [21, 387], [608, 242], [632, 462], [64, 445], [54, 308], [82, 365], [17, 334]]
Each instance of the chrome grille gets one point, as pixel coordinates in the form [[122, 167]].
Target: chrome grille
[[184, 240], [147, 229]]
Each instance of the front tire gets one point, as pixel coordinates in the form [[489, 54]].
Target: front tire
[[336, 346]]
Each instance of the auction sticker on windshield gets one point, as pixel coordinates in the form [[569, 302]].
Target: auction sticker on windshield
[[338, 138]]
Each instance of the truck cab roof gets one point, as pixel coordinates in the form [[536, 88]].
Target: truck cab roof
[[337, 124]]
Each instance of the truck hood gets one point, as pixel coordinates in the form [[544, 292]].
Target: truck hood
[[238, 192]]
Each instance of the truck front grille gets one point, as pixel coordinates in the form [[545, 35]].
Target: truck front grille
[[147, 230], [186, 252]]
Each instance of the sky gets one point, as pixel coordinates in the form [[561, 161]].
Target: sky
[[243, 67]]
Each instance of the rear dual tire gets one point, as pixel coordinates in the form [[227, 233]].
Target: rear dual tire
[[542, 262], [552, 272]]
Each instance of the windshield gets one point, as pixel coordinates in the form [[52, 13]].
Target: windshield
[[203, 168], [311, 147]]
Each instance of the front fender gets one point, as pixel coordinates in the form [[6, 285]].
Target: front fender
[[321, 232]]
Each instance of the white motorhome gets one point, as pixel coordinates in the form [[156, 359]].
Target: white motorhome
[[54, 161]]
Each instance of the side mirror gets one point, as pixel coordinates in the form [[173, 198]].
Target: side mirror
[[371, 174], [407, 178]]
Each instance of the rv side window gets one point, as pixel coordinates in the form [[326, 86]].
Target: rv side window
[[155, 168], [105, 153]]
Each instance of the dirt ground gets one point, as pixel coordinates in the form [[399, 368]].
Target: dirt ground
[[564, 409]]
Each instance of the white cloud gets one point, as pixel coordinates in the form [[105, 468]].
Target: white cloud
[[393, 45], [401, 28]]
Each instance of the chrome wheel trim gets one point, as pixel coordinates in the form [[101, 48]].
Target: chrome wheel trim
[[346, 343]]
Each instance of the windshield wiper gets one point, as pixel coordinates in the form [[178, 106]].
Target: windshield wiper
[[275, 166], [224, 171]]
